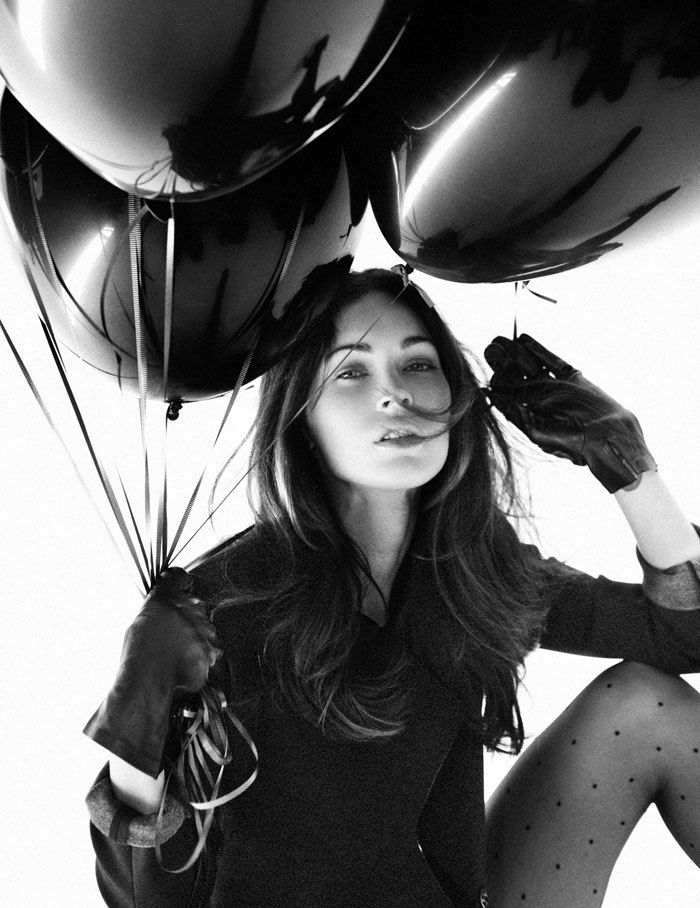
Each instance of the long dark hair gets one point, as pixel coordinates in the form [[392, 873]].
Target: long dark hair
[[488, 583]]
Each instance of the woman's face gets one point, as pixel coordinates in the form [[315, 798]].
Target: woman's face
[[362, 405]]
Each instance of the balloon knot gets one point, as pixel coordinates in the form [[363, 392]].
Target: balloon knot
[[174, 408], [404, 270]]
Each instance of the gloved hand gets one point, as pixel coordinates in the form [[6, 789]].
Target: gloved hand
[[168, 651], [563, 413]]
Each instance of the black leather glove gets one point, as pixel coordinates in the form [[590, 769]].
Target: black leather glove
[[562, 412], [168, 651]]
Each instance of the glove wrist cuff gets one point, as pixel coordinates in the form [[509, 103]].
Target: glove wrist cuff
[[616, 469], [133, 727]]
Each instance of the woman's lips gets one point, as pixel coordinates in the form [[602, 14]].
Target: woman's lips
[[405, 441]]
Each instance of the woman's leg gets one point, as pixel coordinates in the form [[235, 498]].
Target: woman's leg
[[558, 821]]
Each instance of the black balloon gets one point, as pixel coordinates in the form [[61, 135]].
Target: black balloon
[[239, 262], [518, 139], [189, 99]]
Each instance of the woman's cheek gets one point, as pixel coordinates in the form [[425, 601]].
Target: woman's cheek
[[436, 393]]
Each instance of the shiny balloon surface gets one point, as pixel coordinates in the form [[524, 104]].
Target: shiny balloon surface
[[237, 264], [519, 139], [191, 99]]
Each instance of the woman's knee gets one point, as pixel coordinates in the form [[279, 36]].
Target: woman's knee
[[635, 685], [641, 699]]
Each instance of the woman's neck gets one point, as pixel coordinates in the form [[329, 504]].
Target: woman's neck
[[381, 523]]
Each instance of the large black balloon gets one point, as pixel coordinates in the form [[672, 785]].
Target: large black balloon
[[511, 140], [191, 99], [229, 276]]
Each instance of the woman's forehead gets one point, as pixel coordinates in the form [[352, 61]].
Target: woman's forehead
[[377, 316]]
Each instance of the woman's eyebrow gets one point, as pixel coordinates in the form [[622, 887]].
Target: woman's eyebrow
[[366, 348]]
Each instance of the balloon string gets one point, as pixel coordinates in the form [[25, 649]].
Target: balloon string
[[43, 313], [37, 160], [137, 532], [100, 471], [141, 369], [52, 274], [162, 526], [20, 244], [548, 299], [162, 529], [525, 285], [59, 362], [168, 311], [190, 504], [111, 265], [239, 382], [278, 273], [295, 240], [59, 287], [44, 316]]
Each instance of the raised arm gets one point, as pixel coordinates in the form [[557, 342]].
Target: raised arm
[[565, 414], [657, 621], [664, 535]]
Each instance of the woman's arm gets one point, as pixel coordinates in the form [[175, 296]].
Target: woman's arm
[[134, 788], [127, 868], [657, 621], [664, 535], [567, 415]]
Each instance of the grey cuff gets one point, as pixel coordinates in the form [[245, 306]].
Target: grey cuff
[[676, 587], [125, 825]]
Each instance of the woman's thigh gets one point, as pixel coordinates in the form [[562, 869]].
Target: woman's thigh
[[558, 821]]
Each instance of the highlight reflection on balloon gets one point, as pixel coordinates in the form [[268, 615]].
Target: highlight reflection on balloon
[[187, 99], [524, 139], [234, 267]]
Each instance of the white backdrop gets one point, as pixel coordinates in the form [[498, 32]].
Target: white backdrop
[[632, 327]]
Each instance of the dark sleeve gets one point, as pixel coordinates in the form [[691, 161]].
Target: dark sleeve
[[131, 877], [656, 622]]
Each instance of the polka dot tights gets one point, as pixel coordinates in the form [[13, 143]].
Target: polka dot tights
[[558, 821]]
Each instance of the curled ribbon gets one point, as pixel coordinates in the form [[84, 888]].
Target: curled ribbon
[[205, 736]]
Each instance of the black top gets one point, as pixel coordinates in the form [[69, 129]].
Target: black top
[[393, 822]]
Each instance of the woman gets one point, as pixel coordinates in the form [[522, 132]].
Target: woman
[[373, 624]]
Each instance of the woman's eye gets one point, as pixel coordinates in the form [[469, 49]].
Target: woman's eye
[[354, 372], [422, 366], [350, 373]]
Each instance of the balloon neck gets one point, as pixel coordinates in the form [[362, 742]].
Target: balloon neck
[[174, 408]]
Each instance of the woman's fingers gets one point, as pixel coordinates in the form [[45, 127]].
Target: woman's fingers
[[547, 360], [523, 359], [512, 361], [199, 620], [513, 409], [172, 597], [164, 603], [507, 374], [174, 578], [501, 355], [172, 589], [496, 354]]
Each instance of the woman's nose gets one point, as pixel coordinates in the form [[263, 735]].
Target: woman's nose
[[394, 398]]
